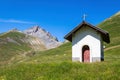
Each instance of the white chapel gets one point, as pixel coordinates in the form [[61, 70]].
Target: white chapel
[[87, 42]]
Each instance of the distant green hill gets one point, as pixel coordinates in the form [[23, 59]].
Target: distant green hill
[[56, 64]]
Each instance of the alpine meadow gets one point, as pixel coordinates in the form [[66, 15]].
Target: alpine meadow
[[20, 63]]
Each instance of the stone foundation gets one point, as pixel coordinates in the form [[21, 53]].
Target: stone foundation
[[96, 59], [75, 59]]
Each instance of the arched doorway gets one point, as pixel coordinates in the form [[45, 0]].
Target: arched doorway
[[85, 53]]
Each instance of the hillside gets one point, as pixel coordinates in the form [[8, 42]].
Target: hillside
[[15, 45], [112, 25], [55, 64]]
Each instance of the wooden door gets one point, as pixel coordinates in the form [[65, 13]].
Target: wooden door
[[85, 54]]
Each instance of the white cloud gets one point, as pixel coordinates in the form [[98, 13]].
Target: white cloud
[[16, 21]]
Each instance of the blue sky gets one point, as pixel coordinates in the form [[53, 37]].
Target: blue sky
[[56, 16]]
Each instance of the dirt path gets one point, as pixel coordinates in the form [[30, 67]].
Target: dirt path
[[111, 47]]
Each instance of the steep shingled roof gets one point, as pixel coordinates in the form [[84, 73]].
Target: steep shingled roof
[[105, 35]]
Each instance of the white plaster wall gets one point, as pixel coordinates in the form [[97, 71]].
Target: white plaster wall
[[86, 36]]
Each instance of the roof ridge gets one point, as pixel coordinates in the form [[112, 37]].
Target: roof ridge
[[105, 35]]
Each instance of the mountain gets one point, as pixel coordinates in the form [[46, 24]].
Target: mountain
[[16, 45], [45, 37]]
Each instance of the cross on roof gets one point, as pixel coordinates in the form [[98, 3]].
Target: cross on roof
[[84, 17]]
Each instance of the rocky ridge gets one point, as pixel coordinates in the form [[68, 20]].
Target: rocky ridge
[[44, 36]]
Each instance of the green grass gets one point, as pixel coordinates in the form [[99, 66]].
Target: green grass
[[62, 71], [112, 55]]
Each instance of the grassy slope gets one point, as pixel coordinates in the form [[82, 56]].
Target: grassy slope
[[9, 49], [55, 64], [112, 25], [58, 55]]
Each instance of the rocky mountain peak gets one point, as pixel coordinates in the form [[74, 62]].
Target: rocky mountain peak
[[46, 38], [35, 28]]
